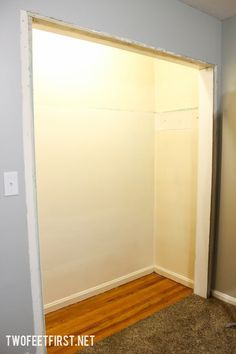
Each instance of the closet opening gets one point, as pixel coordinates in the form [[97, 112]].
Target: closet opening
[[118, 156]]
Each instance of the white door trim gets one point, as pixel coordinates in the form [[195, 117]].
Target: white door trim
[[204, 170], [30, 185], [204, 181]]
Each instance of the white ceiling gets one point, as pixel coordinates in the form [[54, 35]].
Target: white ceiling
[[221, 9]]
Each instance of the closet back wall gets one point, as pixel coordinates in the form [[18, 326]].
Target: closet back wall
[[94, 141]]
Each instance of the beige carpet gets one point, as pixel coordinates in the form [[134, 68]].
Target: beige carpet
[[193, 326]]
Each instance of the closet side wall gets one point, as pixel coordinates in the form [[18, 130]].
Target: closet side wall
[[176, 133]]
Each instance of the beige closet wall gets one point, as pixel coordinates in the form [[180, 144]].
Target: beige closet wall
[[95, 162], [98, 143], [176, 168]]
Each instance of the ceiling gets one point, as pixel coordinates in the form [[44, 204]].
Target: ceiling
[[221, 9]]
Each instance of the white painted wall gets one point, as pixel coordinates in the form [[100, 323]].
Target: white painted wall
[[94, 138], [176, 137], [98, 140]]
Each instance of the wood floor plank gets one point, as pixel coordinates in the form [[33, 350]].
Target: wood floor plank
[[110, 312], [93, 302], [120, 305]]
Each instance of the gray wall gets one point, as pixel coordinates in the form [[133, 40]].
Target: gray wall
[[226, 246], [164, 24]]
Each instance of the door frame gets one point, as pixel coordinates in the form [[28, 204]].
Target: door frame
[[205, 190]]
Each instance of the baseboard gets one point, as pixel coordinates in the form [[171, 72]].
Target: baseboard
[[224, 297], [174, 276], [82, 295]]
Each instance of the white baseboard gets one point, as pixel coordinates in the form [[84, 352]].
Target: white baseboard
[[174, 276], [224, 297], [82, 295]]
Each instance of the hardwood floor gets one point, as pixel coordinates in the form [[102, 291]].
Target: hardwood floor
[[108, 313]]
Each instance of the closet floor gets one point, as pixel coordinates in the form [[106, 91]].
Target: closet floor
[[110, 312]]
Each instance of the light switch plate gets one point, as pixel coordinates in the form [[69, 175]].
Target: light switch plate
[[11, 183]]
